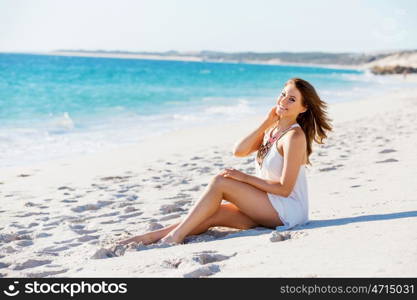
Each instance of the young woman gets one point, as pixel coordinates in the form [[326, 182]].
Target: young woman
[[277, 195]]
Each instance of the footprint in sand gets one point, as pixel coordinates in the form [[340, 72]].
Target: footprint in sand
[[66, 188], [170, 208], [101, 187], [55, 249], [387, 160], [204, 170], [387, 151], [79, 229], [283, 236], [69, 201], [297, 234], [196, 157], [17, 225], [95, 206], [46, 273], [331, 168], [182, 202], [29, 214], [171, 263], [4, 265], [24, 231], [115, 178], [279, 237], [123, 204], [169, 176], [31, 263], [87, 238], [24, 243], [127, 197], [152, 226], [207, 257], [327, 169], [130, 209], [203, 272], [179, 196], [130, 215], [195, 188], [182, 181], [43, 235], [112, 214], [114, 251], [54, 223], [169, 217], [7, 238], [8, 250], [132, 198], [109, 222]]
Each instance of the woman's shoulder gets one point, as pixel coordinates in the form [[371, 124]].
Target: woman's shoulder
[[299, 131], [296, 135]]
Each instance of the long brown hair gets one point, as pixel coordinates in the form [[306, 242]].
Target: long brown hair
[[314, 121]]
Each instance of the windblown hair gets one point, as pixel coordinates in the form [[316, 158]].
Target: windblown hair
[[314, 121]]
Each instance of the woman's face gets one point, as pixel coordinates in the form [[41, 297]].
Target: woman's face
[[289, 103]]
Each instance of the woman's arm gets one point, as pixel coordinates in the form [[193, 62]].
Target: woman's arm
[[294, 151], [294, 148], [253, 141], [250, 143]]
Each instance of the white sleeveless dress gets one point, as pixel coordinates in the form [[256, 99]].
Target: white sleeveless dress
[[293, 210]]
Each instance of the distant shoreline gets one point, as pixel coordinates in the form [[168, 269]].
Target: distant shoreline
[[397, 62], [191, 58]]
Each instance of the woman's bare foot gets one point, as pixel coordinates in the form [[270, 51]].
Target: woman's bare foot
[[170, 239], [143, 238]]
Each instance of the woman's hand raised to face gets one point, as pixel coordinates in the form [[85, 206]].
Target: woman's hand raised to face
[[272, 116]]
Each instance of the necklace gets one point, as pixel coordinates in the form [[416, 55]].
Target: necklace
[[264, 149]]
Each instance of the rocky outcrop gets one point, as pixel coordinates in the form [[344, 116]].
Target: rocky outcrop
[[383, 70]]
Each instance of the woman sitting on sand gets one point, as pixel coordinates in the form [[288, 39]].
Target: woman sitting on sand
[[277, 195]]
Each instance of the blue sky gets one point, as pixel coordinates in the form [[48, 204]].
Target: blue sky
[[226, 25]]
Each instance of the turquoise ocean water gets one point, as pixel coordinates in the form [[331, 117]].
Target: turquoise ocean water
[[55, 106]]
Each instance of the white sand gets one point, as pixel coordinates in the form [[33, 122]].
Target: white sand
[[363, 204]]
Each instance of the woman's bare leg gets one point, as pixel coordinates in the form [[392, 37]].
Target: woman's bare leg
[[228, 215], [249, 200], [150, 237]]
